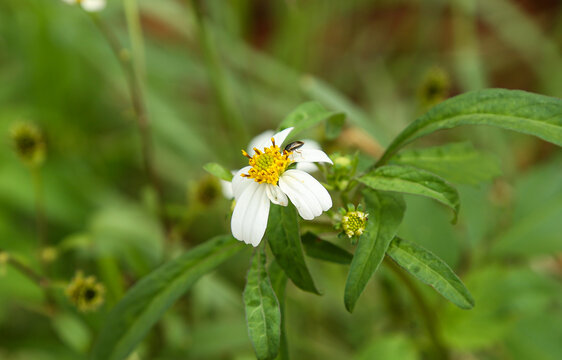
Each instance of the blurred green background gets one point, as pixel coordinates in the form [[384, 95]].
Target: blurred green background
[[214, 80]]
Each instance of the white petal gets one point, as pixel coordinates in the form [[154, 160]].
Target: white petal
[[259, 213], [93, 5], [304, 166], [259, 140], [306, 205], [279, 138], [227, 189], [310, 155], [308, 195], [249, 219], [276, 195], [239, 183], [226, 186], [310, 144]]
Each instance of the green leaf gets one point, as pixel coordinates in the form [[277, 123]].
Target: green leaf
[[218, 171], [279, 284], [334, 125], [431, 270], [307, 115], [325, 250], [458, 162], [131, 319], [515, 110], [285, 243], [407, 179], [263, 315], [386, 211]]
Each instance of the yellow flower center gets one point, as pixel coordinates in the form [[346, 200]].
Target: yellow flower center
[[354, 222], [268, 165]]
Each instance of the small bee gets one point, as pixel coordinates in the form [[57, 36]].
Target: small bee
[[295, 145]]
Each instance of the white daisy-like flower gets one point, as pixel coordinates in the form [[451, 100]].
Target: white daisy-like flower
[[262, 139], [88, 5], [267, 179]]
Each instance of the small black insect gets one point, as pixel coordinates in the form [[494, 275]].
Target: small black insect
[[295, 145]]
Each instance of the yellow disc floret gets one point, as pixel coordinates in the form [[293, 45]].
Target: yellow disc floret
[[354, 222], [268, 165]]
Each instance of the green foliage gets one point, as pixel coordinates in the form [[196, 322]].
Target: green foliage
[[431, 270], [131, 121], [324, 250], [262, 309], [392, 346], [144, 304], [515, 110], [309, 114], [457, 162], [409, 180], [334, 126], [386, 211], [279, 284], [218, 171], [284, 240]]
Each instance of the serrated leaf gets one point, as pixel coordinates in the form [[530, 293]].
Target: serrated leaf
[[307, 115], [285, 243], [386, 211], [325, 250], [409, 180], [141, 307], [218, 171], [430, 270], [515, 110], [459, 162], [263, 316]]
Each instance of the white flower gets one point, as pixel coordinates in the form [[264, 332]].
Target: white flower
[[265, 136], [88, 5], [262, 139], [268, 180]]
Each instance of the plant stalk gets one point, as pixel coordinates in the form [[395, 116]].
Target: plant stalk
[[141, 115]]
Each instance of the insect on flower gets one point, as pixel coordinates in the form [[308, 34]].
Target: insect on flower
[[295, 145], [269, 179]]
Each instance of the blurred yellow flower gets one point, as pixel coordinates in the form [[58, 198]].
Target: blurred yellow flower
[[28, 143], [86, 293]]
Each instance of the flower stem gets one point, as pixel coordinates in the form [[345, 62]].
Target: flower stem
[[426, 313], [34, 276], [139, 108], [39, 208]]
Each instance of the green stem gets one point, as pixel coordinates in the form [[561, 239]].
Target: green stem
[[34, 276], [139, 108], [39, 208], [426, 313]]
